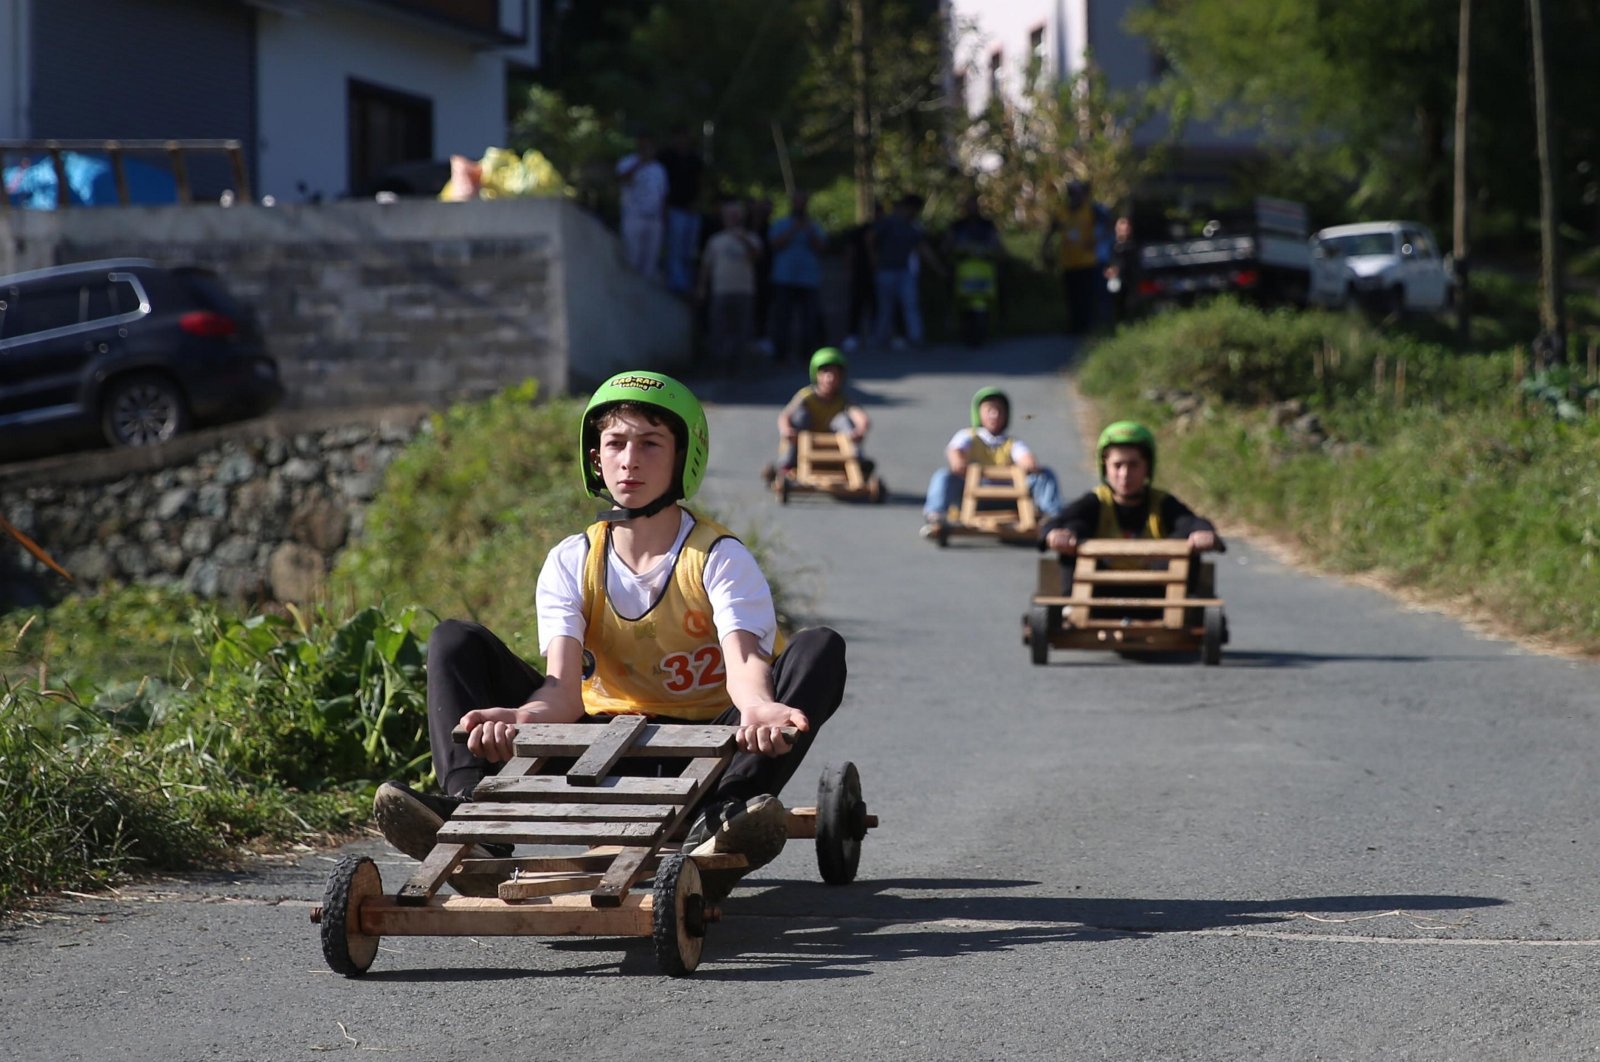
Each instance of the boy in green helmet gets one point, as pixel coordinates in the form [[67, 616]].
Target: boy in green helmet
[[987, 442], [653, 610], [1125, 504], [825, 405]]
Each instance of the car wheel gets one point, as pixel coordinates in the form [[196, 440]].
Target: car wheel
[[142, 410]]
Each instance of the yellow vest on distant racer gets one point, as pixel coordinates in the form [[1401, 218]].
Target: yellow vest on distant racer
[[982, 454], [668, 662], [1109, 528]]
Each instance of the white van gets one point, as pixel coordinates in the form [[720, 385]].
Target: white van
[[1386, 265]]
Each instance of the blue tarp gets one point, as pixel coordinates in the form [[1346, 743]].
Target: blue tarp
[[90, 182]]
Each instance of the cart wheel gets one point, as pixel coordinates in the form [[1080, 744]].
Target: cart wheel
[[783, 489], [841, 823], [1211, 641], [679, 916], [942, 535], [877, 493], [1039, 634], [354, 880]]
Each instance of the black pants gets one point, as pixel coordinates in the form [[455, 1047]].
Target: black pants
[[1080, 288], [469, 667]]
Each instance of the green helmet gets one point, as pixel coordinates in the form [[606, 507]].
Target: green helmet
[[825, 357], [983, 395], [682, 410], [1127, 433]]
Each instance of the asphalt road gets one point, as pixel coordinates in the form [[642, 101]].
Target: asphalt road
[[1368, 834]]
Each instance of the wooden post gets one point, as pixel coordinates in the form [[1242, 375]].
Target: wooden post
[[1516, 374], [241, 175], [114, 150], [180, 173], [63, 192]]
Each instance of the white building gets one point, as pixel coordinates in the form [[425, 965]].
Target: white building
[[327, 95], [997, 44]]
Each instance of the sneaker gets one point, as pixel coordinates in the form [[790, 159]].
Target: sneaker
[[410, 821], [756, 828]]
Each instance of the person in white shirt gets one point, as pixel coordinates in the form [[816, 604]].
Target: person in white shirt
[[986, 442], [653, 610], [643, 204], [728, 287]]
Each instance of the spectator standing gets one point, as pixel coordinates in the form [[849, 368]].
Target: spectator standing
[[897, 241], [1122, 275], [758, 216], [863, 315], [728, 287], [643, 202], [796, 243], [1072, 233], [684, 169]]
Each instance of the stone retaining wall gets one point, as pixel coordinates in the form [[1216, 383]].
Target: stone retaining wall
[[255, 513]]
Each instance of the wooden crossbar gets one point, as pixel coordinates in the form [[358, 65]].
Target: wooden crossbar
[[623, 790], [1127, 602]]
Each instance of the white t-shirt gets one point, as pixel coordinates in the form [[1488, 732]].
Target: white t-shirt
[[963, 438], [741, 600], [731, 259], [645, 195]]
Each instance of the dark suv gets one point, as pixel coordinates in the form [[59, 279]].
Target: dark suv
[[138, 350]]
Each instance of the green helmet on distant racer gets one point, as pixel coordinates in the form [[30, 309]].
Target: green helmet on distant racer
[[1126, 433], [825, 357], [676, 404], [986, 394]]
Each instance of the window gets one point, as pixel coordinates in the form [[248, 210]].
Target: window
[[386, 127], [39, 310]]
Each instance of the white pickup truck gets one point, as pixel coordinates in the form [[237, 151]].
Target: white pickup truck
[[1390, 266]]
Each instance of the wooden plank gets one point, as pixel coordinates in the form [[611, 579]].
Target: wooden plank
[[613, 889], [497, 832], [609, 746], [666, 740], [1129, 578], [852, 466], [432, 873], [563, 812], [548, 789], [467, 916], [1134, 547], [1179, 570], [533, 886], [594, 860], [1127, 602]]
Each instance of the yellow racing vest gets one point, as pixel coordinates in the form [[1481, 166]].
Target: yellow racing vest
[[1076, 233], [1109, 528], [821, 411], [982, 454], [667, 662]]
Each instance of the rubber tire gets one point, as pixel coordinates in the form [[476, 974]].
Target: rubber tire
[[1039, 635], [678, 928], [354, 880], [942, 536], [877, 493], [841, 823], [783, 489], [146, 392], [1211, 641]]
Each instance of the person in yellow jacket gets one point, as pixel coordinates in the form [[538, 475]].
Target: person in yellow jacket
[[1125, 504], [652, 610], [1075, 234]]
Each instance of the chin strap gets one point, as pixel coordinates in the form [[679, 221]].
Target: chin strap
[[617, 514]]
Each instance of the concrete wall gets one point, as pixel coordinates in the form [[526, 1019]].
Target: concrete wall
[[366, 303]]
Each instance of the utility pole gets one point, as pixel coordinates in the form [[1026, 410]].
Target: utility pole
[[1463, 268], [1551, 309], [863, 110]]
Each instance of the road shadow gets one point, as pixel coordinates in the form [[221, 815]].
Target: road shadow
[[791, 930], [1268, 659]]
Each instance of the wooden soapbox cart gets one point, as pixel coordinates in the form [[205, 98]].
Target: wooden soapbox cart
[[626, 828], [995, 503], [826, 462], [1128, 595]]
